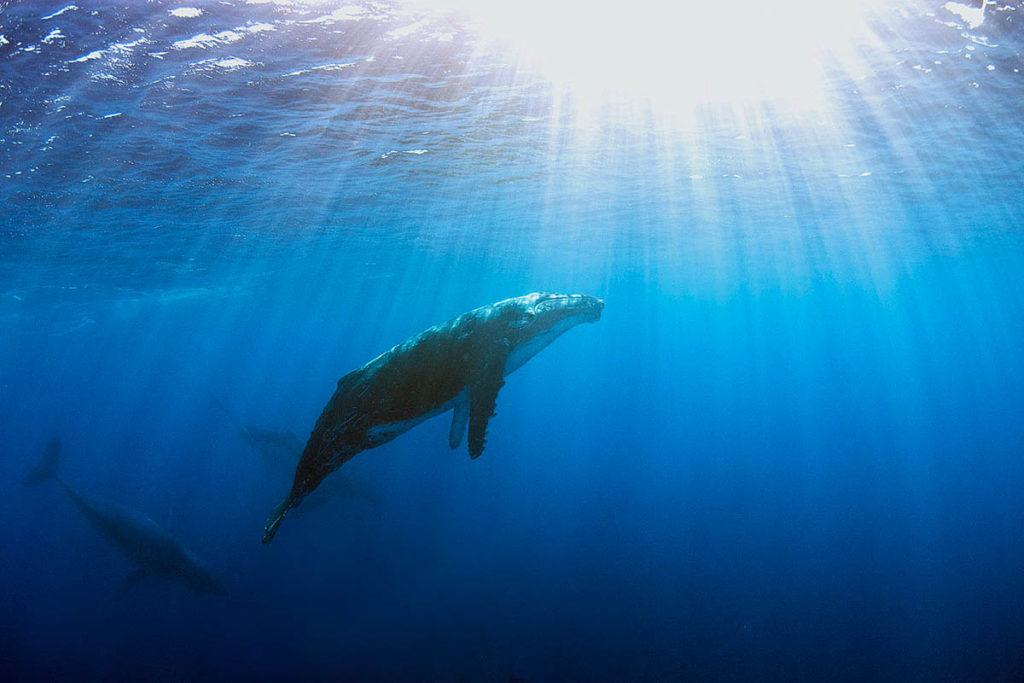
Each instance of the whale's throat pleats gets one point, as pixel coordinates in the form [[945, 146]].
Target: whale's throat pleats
[[526, 350]]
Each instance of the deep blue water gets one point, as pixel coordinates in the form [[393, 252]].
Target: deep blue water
[[792, 449]]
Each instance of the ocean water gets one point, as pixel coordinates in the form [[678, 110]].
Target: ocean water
[[791, 449]]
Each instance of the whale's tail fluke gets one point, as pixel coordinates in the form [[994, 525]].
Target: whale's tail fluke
[[46, 468], [276, 517]]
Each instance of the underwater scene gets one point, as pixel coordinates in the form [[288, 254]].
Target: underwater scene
[[468, 341]]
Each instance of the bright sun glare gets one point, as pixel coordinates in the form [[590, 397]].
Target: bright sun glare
[[676, 56]]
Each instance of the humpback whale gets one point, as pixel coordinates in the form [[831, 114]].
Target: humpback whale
[[154, 551], [458, 365], [281, 450], [278, 449]]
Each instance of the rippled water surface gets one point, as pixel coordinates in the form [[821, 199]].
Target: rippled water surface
[[790, 450]]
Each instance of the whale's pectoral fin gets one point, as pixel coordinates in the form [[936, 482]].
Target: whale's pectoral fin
[[482, 397], [460, 416], [483, 394]]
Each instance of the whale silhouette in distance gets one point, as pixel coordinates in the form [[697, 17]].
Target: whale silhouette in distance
[[280, 450], [459, 365], [277, 449], [153, 550]]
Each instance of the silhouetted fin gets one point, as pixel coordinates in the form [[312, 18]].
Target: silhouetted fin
[[220, 404], [46, 468], [460, 416], [134, 578], [278, 449], [488, 373], [227, 413]]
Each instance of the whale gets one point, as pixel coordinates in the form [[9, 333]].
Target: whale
[[280, 450], [456, 366], [155, 552], [277, 449]]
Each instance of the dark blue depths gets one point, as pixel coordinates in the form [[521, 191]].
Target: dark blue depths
[[790, 450]]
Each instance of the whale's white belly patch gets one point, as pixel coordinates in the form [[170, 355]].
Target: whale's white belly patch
[[382, 433], [527, 350]]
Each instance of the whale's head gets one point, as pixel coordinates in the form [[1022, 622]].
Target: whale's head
[[542, 310], [535, 320]]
